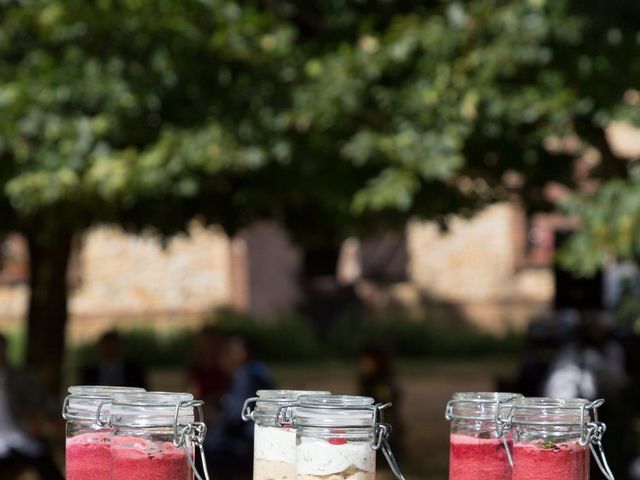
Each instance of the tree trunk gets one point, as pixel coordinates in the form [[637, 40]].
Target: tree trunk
[[47, 316], [324, 298]]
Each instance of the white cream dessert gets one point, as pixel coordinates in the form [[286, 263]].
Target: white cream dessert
[[335, 459], [274, 456]]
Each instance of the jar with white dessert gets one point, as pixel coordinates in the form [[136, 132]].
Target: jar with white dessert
[[479, 443], [155, 435], [338, 437], [553, 438], [88, 436], [274, 448]]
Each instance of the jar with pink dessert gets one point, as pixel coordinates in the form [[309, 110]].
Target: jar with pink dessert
[[88, 435], [155, 435], [478, 442], [553, 438]]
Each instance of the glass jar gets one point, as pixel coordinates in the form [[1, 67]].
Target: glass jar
[[274, 444], [553, 436], [154, 435], [477, 441], [88, 435], [338, 436]]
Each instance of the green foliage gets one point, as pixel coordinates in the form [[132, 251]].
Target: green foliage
[[627, 311], [417, 338], [357, 114], [105, 105], [146, 347], [609, 229], [292, 339], [435, 91], [16, 347], [281, 339]]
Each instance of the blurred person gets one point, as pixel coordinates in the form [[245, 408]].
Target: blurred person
[[112, 368], [376, 379], [591, 365], [229, 442], [208, 380], [634, 470], [376, 375], [24, 408]]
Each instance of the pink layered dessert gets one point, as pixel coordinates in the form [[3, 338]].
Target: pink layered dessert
[[541, 461], [133, 458], [472, 458], [88, 457]]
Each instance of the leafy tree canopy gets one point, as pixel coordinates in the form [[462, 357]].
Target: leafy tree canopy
[[610, 226], [148, 112]]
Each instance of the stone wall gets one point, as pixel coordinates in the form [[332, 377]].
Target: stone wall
[[476, 269], [478, 266], [129, 280]]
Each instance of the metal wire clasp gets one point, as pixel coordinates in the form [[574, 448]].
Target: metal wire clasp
[[592, 434], [247, 412], [99, 421], [284, 416], [381, 435], [448, 413], [99, 415], [65, 408], [503, 424], [195, 431]]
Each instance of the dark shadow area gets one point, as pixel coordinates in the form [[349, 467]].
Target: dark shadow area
[[26, 415]]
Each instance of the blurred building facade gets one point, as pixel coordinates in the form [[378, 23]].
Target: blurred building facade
[[493, 270]]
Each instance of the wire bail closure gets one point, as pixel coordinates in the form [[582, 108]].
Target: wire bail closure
[[99, 421], [592, 435], [247, 412], [502, 425], [195, 431], [284, 416], [382, 434], [65, 408]]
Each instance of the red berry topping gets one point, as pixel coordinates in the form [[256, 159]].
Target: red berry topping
[[337, 441]]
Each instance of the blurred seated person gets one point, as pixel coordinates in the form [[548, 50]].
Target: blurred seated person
[[229, 442], [24, 408], [112, 367], [208, 380]]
